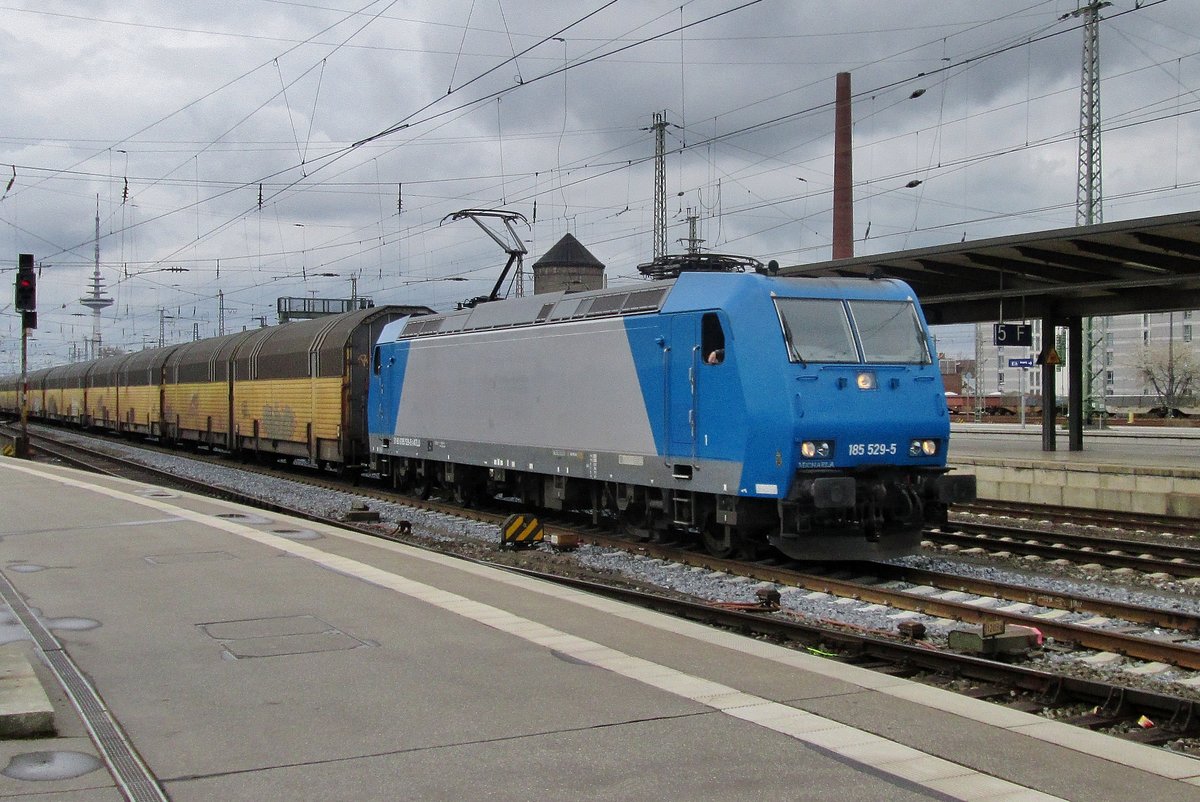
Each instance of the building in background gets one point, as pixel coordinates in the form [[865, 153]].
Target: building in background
[[567, 266], [1141, 362]]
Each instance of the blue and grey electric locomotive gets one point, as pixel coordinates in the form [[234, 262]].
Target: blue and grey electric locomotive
[[746, 409]]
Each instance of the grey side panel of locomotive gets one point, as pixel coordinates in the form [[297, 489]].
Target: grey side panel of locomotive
[[563, 400], [568, 386]]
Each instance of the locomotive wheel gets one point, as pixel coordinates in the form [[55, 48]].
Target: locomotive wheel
[[465, 495], [715, 542], [421, 487], [749, 550]]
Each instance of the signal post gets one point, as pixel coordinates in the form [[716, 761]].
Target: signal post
[[25, 302]]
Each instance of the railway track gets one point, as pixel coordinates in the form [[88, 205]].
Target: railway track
[[1038, 689], [941, 595], [1119, 521], [1181, 621], [1149, 557]]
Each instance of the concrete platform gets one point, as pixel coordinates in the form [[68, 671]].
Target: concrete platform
[[1134, 469], [25, 710], [244, 655]]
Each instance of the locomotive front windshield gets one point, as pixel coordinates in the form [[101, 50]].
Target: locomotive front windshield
[[890, 331], [820, 330]]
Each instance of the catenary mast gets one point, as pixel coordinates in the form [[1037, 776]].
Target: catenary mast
[[1089, 193]]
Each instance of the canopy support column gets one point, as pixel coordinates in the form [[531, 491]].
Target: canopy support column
[[1075, 377], [1049, 398]]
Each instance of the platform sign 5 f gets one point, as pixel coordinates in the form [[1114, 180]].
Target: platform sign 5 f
[[1012, 334]]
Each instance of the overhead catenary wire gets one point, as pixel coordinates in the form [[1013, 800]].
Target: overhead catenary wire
[[130, 137], [759, 125], [332, 157]]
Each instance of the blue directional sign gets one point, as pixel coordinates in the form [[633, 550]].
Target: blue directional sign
[[1021, 363]]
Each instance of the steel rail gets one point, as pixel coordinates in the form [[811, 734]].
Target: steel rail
[[1164, 550], [1180, 620], [1079, 515], [1084, 549]]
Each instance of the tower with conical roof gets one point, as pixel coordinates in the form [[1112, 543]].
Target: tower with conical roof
[[567, 266]]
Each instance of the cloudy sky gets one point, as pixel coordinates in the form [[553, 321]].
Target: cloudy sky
[[266, 148]]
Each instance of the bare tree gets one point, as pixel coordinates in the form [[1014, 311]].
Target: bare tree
[[1172, 373]]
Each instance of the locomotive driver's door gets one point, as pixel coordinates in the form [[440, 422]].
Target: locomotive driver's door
[[683, 360]]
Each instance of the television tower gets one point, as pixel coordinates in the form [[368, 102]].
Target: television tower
[[97, 301]]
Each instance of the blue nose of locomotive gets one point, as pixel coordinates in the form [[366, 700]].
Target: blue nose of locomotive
[[855, 415]]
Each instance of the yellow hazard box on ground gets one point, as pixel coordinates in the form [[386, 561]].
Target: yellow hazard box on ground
[[521, 530]]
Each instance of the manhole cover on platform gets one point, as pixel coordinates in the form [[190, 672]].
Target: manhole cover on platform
[[297, 534], [274, 637], [188, 557], [242, 518]]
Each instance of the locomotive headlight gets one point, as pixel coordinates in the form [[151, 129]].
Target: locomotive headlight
[[811, 449], [918, 448], [866, 381]]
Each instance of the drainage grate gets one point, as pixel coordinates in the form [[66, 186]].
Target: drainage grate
[[127, 768]]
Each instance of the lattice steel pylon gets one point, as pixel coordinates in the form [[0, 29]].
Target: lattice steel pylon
[[660, 183], [1089, 194]]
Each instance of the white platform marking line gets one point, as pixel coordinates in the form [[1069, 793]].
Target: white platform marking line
[[810, 728]]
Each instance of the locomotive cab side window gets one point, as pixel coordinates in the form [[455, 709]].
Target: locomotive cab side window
[[712, 339], [378, 361]]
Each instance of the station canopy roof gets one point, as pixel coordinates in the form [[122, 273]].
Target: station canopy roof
[[1132, 266]]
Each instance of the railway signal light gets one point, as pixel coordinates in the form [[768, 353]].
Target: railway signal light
[[25, 296]]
